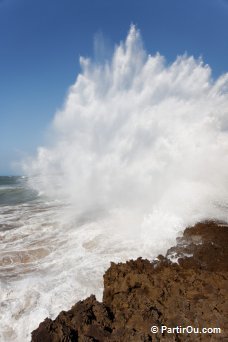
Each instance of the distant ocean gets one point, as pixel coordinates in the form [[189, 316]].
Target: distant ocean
[[13, 190]]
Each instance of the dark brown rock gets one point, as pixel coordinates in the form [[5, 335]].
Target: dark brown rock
[[140, 294]]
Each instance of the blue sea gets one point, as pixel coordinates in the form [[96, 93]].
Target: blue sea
[[14, 190]]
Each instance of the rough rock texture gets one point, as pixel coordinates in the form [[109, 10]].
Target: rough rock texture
[[140, 294]]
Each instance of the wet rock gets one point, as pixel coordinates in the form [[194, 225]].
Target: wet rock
[[139, 294]]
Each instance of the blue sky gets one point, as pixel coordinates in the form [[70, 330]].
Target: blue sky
[[41, 41]]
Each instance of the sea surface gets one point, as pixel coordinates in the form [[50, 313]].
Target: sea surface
[[50, 258]]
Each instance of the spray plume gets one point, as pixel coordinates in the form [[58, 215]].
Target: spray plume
[[138, 136]]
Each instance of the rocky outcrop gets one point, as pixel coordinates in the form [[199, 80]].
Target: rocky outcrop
[[139, 295]]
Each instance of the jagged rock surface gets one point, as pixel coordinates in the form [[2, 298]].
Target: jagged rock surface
[[140, 294]]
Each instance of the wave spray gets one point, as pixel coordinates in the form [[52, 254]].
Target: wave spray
[[142, 138]]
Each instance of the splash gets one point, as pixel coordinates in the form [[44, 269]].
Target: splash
[[139, 135]]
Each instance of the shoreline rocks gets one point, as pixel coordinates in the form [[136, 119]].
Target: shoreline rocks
[[139, 294]]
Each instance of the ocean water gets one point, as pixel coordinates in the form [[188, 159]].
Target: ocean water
[[138, 152], [50, 258]]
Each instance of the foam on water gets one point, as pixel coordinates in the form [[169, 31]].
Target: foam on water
[[48, 264], [139, 151]]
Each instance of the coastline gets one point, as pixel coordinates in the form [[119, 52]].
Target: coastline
[[139, 294]]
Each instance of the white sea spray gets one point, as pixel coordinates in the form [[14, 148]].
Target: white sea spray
[[138, 134]]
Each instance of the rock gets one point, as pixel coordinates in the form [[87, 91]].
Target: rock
[[86, 318], [140, 294]]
